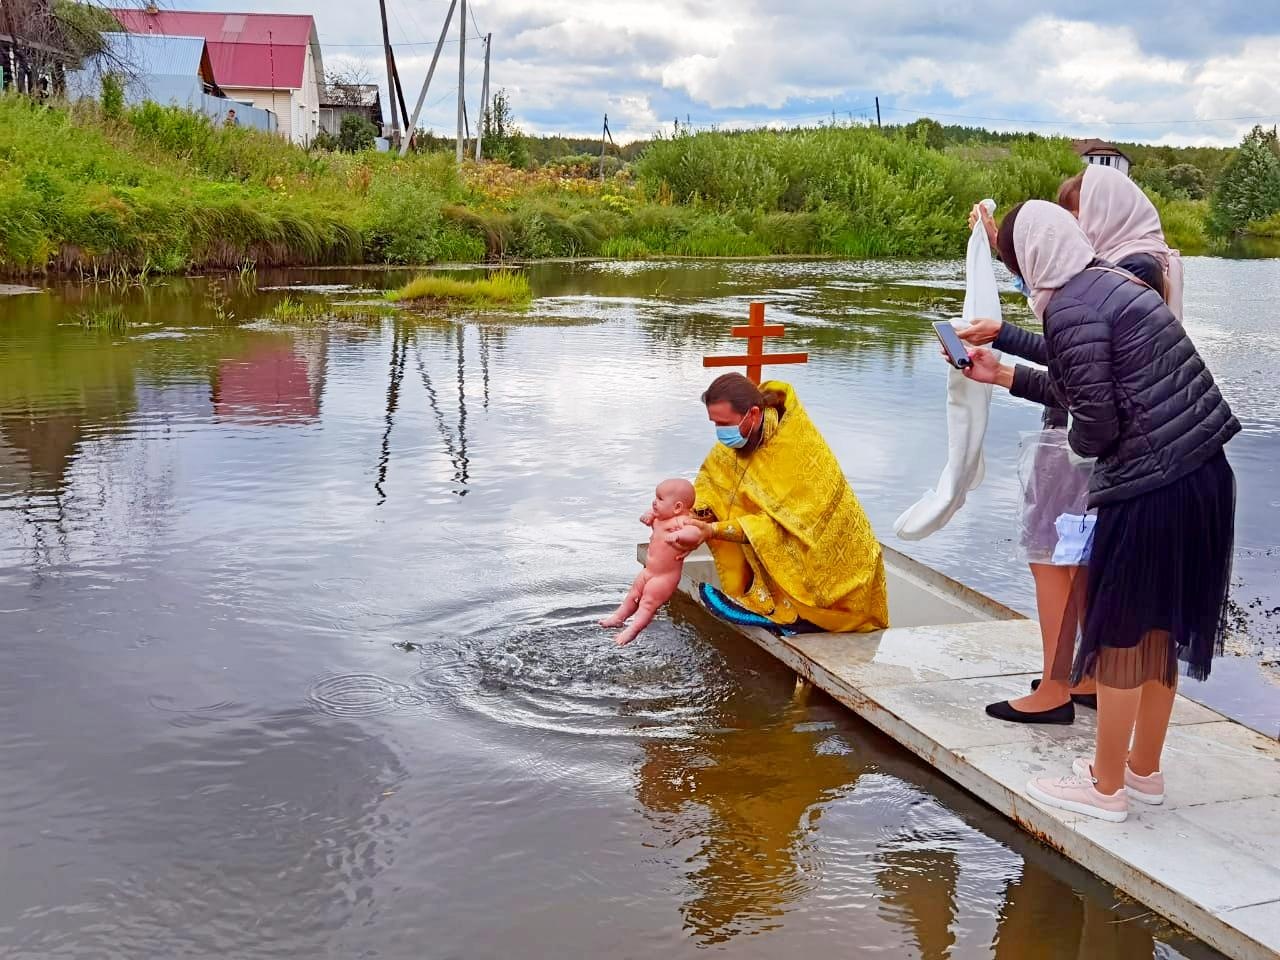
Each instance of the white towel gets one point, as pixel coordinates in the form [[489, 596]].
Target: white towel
[[967, 405]]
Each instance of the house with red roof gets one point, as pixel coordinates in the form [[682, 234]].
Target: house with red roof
[[268, 60]]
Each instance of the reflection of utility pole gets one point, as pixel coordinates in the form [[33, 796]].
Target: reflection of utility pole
[[456, 449], [484, 363], [463, 465], [399, 351]]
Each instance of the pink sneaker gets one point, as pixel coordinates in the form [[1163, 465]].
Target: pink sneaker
[[1148, 789], [1079, 795]]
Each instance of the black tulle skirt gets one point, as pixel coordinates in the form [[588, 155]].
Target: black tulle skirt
[[1159, 577]]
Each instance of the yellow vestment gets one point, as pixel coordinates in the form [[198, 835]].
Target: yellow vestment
[[792, 540]]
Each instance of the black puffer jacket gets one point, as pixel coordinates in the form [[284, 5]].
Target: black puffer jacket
[[1141, 399], [1030, 346]]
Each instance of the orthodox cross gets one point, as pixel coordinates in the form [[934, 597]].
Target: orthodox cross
[[754, 332]]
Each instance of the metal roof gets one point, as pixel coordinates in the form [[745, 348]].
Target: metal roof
[[349, 95], [263, 50], [161, 55]]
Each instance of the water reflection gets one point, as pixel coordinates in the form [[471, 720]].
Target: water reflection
[[275, 380], [760, 790], [222, 652], [239, 836], [399, 350]]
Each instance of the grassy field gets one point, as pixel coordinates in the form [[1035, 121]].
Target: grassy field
[[161, 190]]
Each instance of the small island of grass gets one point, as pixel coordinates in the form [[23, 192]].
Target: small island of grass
[[501, 289]]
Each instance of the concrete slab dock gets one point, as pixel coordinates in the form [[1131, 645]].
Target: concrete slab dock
[[1208, 859]]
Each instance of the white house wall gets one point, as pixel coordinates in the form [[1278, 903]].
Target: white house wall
[[307, 107], [279, 102]]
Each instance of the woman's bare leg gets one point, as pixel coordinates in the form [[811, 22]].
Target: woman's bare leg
[[1053, 594], [1117, 714], [1152, 727]]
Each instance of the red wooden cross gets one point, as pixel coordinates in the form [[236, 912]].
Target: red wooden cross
[[754, 333]]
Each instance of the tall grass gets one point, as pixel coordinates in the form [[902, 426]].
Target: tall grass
[[163, 190], [865, 193], [503, 288]]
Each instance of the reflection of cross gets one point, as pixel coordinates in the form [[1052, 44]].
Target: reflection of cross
[[754, 333]]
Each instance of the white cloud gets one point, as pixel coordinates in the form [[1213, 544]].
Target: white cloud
[[1085, 62]]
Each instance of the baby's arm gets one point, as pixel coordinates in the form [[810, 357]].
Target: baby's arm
[[647, 518]]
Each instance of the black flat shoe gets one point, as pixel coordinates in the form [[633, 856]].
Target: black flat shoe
[[1004, 711], [1089, 700]]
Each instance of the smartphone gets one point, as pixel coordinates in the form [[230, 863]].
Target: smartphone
[[957, 355]]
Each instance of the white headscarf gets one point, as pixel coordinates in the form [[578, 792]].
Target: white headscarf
[[1120, 221], [1118, 218], [1051, 249]]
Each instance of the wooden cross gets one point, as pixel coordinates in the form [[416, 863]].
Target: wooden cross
[[754, 333]]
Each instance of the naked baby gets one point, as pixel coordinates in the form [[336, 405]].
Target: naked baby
[[672, 502]]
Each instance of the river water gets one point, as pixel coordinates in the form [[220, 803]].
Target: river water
[[297, 654]]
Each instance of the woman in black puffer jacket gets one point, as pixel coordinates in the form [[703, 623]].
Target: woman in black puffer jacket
[[1144, 404]]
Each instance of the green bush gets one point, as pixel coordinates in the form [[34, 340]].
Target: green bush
[[356, 134], [112, 97]]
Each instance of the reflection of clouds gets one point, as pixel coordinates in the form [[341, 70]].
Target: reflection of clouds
[[228, 842]]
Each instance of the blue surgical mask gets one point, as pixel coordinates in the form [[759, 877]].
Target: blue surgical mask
[[732, 436], [1020, 285]]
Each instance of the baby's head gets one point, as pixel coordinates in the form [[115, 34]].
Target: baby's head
[[673, 498]]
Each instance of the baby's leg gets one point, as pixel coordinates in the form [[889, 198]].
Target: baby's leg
[[656, 592], [629, 602]]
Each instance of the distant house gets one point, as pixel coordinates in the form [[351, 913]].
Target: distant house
[[1102, 154], [166, 70], [339, 99], [268, 60]]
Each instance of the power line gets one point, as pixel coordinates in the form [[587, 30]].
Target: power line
[[1077, 122], [402, 43]]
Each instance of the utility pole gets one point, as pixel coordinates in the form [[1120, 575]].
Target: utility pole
[[484, 96], [391, 73], [603, 134], [404, 112], [462, 74], [877, 113], [417, 107]]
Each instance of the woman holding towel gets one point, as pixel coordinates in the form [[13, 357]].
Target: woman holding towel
[[1143, 403]]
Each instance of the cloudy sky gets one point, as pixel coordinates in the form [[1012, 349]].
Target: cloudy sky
[[1177, 71]]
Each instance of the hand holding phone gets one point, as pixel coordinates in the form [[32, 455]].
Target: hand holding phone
[[952, 346]]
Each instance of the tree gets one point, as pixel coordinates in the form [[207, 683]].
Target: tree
[[356, 134], [503, 140], [48, 36], [926, 131], [1188, 179], [1249, 188]]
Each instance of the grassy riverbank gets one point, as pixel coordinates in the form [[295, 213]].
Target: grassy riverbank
[[159, 189]]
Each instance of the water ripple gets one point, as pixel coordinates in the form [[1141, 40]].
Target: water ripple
[[352, 696]]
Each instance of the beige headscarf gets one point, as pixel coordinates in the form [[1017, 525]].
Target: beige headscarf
[[1120, 221], [1051, 249]]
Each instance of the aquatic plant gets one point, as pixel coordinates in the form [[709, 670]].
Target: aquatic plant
[[111, 319], [291, 310], [503, 288]]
